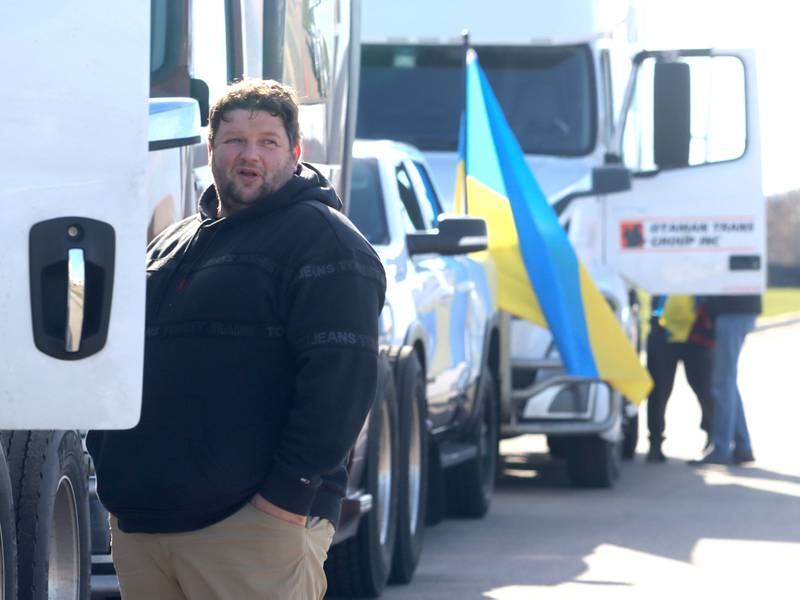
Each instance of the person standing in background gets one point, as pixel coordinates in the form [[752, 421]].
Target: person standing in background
[[734, 317], [680, 330]]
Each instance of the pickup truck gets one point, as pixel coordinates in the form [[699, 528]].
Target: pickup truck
[[437, 453]]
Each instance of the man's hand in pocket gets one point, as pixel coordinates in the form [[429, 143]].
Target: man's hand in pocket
[[269, 508]]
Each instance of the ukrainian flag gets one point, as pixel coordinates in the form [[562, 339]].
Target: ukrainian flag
[[539, 276]]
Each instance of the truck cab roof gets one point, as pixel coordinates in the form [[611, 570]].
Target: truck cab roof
[[565, 22]]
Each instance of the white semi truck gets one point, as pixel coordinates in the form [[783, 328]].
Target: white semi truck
[[651, 160]]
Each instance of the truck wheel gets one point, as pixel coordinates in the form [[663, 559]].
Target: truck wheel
[[593, 461], [50, 492], [558, 446], [8, 537], [359, 567], [630, 433], [470, 485], [412, 406]]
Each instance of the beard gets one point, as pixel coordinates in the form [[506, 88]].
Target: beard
[[232, 198]]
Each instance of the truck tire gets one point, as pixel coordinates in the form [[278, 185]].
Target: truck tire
[[8, 537], [359, 567], [593, 461], [50, 493], [558, 446], [412, 479], [470, 485]]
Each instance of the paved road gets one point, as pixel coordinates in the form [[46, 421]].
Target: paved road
[[664, 531]]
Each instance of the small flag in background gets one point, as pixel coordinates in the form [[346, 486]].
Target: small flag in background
[[539, 276]]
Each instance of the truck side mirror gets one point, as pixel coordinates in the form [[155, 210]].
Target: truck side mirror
[[671, 114], [173, 123], [456, 235], [610, 179], [198, 89]]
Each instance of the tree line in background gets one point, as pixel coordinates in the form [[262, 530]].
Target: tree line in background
[[783, 239]]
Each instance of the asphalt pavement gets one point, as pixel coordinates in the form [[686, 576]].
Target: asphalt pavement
[[665, 531]]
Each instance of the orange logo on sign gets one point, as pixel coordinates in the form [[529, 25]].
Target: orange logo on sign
[[632, 234]]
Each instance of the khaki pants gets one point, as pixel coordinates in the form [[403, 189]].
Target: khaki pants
[[248, 555]]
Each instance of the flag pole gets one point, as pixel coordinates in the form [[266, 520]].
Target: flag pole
[[465, 46]]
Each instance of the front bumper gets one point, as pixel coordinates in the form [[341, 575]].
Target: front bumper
[[558, 404]]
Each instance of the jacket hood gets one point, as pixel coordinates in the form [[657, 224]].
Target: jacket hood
[[307, 183]]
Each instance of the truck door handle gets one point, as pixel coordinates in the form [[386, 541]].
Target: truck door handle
[[71, 262], [76, 295]]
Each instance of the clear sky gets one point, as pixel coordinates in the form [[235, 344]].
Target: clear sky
[[772, 28]]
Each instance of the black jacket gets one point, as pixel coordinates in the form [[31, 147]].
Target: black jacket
[[720, 305], [260, 364]]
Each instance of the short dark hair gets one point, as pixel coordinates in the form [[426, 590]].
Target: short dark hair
[[258, 94]]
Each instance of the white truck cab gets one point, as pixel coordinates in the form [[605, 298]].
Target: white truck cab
[[74, 113], [73, 195], [651, 160]]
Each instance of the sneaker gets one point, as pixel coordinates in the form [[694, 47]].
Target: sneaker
[[655, 455]]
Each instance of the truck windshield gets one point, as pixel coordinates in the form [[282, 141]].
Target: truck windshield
[[366, 201], [415, 94]]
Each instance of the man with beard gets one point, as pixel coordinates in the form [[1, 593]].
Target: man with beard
[[260, 368]]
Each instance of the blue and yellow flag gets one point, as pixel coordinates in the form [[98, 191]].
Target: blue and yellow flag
[[539, 276]]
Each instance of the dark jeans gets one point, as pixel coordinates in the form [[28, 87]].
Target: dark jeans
[[662, 361]]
